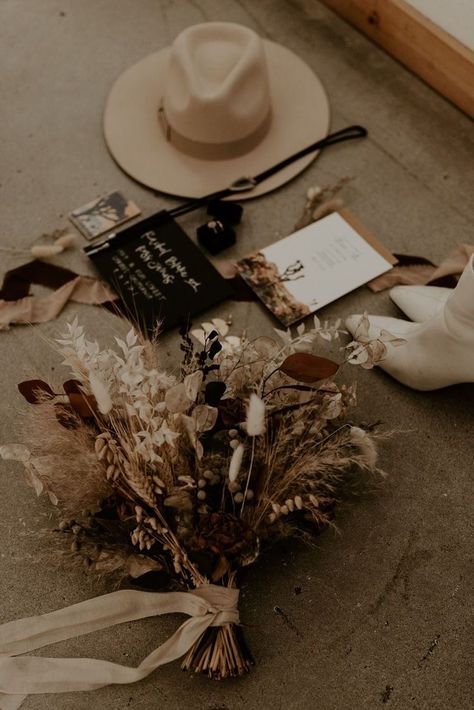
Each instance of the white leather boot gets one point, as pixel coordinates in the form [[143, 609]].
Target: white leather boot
[[420, 303], [437, 353]]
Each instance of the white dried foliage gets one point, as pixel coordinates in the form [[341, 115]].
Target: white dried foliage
[[101, 393], [365, 349], [236, 463], [192, 385], [255, 422]]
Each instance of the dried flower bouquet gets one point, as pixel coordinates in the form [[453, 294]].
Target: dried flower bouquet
[[184, 477]]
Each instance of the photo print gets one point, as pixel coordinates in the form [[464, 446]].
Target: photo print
[[103, 214]]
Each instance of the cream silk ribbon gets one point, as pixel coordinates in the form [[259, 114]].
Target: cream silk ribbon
[[209, 605]]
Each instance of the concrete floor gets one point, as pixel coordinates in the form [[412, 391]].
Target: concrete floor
[[384, 616]]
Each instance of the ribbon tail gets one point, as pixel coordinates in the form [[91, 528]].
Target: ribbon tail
[[33, 675], [24, 675]]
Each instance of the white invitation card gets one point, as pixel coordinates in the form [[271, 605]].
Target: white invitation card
[[314, 266]]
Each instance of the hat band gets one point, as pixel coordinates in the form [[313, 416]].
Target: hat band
[[213, 151]]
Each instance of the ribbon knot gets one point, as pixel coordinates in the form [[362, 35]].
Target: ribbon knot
[[209, 605]]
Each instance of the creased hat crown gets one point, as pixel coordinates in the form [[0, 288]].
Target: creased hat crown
[[217, 87]]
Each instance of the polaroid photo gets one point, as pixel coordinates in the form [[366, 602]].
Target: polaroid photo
[[103, 214]]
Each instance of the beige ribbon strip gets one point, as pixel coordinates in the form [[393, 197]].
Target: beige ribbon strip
[[209, 605], [32, 309]]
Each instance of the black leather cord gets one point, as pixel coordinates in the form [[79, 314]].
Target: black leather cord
[[247, 184]]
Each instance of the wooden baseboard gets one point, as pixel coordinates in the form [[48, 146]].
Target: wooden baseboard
[[419, 44]]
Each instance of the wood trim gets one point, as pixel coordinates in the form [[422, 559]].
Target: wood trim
[[437, 57]]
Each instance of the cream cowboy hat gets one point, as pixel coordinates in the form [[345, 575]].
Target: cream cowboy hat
[[218, 104]]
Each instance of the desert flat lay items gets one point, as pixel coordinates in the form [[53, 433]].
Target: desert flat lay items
[[314, 266], [180, 480], [437, 352], [160, 275]]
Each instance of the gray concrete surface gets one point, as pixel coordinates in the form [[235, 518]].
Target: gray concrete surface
[[384, 617]]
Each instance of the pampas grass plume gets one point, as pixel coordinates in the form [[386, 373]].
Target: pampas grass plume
[[365, 445], [101, 393], [45, 250], [255, 424], [236, 463]]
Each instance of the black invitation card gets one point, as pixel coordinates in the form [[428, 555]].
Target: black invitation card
[[160, 275]]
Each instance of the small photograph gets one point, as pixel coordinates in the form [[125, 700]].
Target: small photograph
[[270, 286], [103, 214]]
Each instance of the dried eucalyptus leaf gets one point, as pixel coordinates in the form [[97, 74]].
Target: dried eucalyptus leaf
[[14, 452], [205, 417], [190, 426], [266, 347], [176, 399], [34, 481], [192, 385]]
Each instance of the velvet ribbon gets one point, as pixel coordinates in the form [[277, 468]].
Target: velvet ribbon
[[210, 605]]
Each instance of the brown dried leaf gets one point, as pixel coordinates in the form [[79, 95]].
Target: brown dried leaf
[[308, 368], [35, 391], [83, 404], [72, 387]]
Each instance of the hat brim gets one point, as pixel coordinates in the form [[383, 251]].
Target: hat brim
[[134, 136]]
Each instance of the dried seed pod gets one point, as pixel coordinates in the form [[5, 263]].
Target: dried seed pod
[[239, 497], [276, 508], [201, 495], [290, 504], [102, 453], [181, 502], [152, 522], [233, 433], [233, 486], [299, 502], [139, 513], [202, 483], [110, 472], [234, 443], [284, 509], [209, 474], [99, 444], [314, 500], [271, 518], [250, 494], [157, 480]]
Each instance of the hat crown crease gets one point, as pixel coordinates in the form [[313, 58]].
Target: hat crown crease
[[217, 87]]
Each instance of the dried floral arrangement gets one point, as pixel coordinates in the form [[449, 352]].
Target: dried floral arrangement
[[185, 477]]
